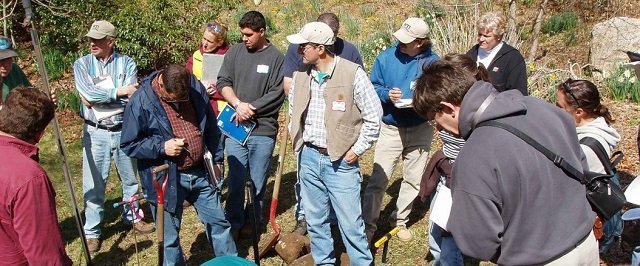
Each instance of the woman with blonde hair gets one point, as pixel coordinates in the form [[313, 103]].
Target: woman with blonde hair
[[214, 41], [505, 64]]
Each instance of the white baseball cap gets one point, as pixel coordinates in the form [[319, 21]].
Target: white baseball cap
[[313, 32], [101, 29], [411, 29]]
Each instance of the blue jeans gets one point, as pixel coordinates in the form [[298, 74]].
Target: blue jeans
[[98, 147], [635, 256], [197, 190], [444, 249], [218, 155], [326, 184], [253, 160], [613, 227]]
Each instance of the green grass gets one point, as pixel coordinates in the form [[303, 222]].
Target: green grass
[[559, 23]]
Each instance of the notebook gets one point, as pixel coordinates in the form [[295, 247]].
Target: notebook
[[239, 133]]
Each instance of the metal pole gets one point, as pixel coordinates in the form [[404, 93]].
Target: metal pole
[[56, 127]]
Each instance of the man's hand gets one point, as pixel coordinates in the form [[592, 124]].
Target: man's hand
[[127, 91], [395, 94], [173, 147], [54, 96], [351, 157], [244, 112], [85, 102], [212, 88]]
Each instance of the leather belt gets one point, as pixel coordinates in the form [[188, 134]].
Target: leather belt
[[322, 151], [114, 128]]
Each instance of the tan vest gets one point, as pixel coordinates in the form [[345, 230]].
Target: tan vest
[[343, 128]]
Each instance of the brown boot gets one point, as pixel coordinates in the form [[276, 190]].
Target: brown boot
[[143, 227], [93, 244]]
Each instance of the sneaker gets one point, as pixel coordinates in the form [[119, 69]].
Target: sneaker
[[404, 234], [301, 227], [93, 244], [143, 227]]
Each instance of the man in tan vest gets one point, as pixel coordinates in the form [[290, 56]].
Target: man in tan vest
[[335, 117]]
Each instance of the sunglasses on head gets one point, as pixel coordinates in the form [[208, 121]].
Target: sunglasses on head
[[566, 86], [214, 27]]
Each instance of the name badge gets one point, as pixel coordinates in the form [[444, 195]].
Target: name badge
[[264, 69], [495, 69], [339, 106]]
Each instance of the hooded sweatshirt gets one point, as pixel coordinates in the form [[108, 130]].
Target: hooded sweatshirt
[[394, 69], [603, 133], [511, 204]]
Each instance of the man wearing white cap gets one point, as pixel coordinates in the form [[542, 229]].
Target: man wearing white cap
[[403, 134], [105, 80], [335, 118]]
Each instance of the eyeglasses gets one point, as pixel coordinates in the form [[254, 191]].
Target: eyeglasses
[[214, 27], [181, 100], [566, 86], [5, 43], [304, 46]]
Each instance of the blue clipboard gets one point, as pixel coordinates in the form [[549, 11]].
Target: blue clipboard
[[239, 133]]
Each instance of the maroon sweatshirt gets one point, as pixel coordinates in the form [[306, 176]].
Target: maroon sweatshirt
[[29, 232]]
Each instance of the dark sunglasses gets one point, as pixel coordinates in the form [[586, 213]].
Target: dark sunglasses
[[566, 86]]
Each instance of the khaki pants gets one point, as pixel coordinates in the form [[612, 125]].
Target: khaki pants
[[412, 145], [584, 254]]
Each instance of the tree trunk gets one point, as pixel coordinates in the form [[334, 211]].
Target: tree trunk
[[512, 34], [536, 32]]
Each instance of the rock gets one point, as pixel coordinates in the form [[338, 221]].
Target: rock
[[305, 260], [292, 246], [609, 41]]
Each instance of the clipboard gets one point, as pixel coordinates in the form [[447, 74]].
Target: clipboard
[[239, 133]]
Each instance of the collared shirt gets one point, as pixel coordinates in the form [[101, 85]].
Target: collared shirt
[[364, 97], [184, 124], [485, 57], [122, 70], [29, 232]]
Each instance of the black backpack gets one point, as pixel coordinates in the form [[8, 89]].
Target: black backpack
[[609, 164]]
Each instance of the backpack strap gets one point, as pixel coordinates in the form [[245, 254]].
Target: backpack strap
[[597, 148], [555, 158]]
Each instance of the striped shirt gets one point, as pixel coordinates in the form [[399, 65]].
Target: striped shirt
[[122, 70], [364, 97], [451, 145]]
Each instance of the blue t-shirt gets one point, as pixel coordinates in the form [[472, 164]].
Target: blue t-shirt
[[342, 48]]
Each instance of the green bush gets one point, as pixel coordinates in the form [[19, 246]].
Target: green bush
[[622, 84], [57, 62], [68, 99], [560, 22]]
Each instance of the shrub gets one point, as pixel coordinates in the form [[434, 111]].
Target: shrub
[[560, 22], [68, 99], [57, 62], [622, 84]]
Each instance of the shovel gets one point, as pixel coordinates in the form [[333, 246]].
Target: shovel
[[276, 190], [160, 210]]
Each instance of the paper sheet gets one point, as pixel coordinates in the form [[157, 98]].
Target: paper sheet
[[211, 64], [441, 208], [105, 111]]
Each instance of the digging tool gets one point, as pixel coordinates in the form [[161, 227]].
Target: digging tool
[[248, 188], [276, 191], [29, 22], [384, 240], [160, 210]]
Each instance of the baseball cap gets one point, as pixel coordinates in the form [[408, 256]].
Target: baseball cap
[[411, 29], [6, 48], [632, 214], [101, 29], [632, 193], [313, 32]]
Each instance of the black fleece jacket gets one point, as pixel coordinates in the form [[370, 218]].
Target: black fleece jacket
[[508, 70]]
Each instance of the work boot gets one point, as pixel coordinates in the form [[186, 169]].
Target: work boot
[[93, 244], [404, 234], [143, 227], [301, 227]]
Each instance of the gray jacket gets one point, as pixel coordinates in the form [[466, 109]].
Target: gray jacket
[[511, 204]]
